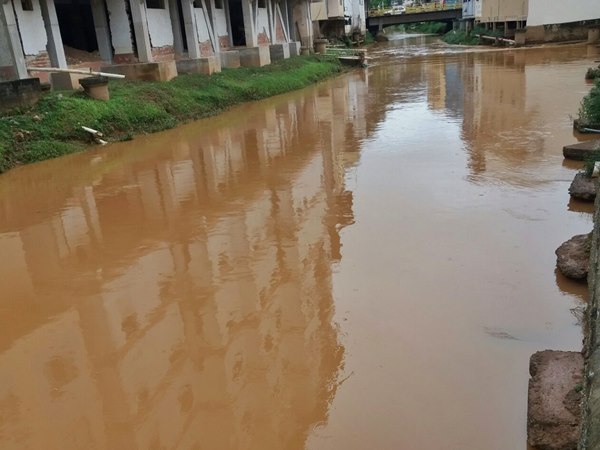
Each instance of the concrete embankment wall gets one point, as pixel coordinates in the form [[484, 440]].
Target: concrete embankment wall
[[590, 436], [577, 31]]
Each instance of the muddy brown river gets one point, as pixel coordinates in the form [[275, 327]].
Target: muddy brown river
[[363, 264]]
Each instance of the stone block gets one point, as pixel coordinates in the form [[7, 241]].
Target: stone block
[[581, 150], [554, 400], [19, 93], [154, 71], [96, 87], [62, 81], [206, 65], [520, 37], [294, 48], [593, 34], [230, 59], [255, 56], [279, 51]]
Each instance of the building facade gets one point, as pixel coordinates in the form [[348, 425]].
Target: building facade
[[97, 33]]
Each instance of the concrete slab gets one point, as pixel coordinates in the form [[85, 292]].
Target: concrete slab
[[554, 400], [19, 93], [154, 71], [230, 59], [294, 48], [255, 56], [206, 65], [62, 81], [279, 51], [581, 151]]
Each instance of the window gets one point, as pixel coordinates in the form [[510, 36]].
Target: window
[[262, 3], [218, 4], [27, 5], [155, 4]]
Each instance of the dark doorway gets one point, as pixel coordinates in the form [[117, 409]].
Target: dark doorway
[[238, 34], [77, 24]]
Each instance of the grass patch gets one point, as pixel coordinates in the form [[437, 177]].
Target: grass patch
[[53, 127]]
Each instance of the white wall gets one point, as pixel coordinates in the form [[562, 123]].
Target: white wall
[[221, 22], [202, 29], [119, 27], [358, 16], [5, 51], [546, 12], [159, 26], [31, 27], [467, 9], [263, 22]]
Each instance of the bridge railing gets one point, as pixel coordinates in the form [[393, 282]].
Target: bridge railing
[[426, 7]]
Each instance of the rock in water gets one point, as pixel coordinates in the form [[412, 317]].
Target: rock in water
[[380, 37], [554, 400], [573, 257], [583, 187]]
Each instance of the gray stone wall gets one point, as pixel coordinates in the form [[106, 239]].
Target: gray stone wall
[[590, 436]]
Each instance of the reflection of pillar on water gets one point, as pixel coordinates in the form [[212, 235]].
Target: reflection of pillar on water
[[201, 283]]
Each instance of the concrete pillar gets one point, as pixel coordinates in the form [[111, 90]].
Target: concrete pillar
[[250, 10], [9, 33], [593, 34], [176, 26], [228, 20], [102, 30], [140, 27], [189, 22], [55, 47], [520, 37]]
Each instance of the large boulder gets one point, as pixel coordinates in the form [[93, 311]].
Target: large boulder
[[554, 400], [380, 37], [573, 257], [583, 187]]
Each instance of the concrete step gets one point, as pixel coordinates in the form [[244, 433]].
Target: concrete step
[[581, 151]]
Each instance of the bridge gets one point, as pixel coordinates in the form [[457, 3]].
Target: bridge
[[434, 13]]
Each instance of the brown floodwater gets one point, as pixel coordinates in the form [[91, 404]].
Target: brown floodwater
[[363, 264]]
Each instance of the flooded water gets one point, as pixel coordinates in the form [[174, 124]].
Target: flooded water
[[364, 264]]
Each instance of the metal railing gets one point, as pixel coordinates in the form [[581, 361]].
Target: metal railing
[[426, 7]]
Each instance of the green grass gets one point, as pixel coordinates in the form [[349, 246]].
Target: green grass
[[53, 127], [589, 111]]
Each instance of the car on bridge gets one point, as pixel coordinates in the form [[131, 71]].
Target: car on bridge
[[395, 10]]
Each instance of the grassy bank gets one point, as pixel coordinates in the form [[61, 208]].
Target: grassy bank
[[53, 127]]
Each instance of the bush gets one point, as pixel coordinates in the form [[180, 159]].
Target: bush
[[589, 111]]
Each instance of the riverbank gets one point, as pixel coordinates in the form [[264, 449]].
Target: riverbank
[[53, 127]]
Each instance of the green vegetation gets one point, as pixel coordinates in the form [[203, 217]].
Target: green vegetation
[[592, 73], [460, 37], [426, 28], [53, 127], [589, 111]]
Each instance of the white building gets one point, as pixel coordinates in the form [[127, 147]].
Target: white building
[[339, 17], [550, 12], [95, 33]]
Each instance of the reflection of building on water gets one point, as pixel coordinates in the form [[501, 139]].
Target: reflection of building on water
[[497, 111], [182, 298]]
